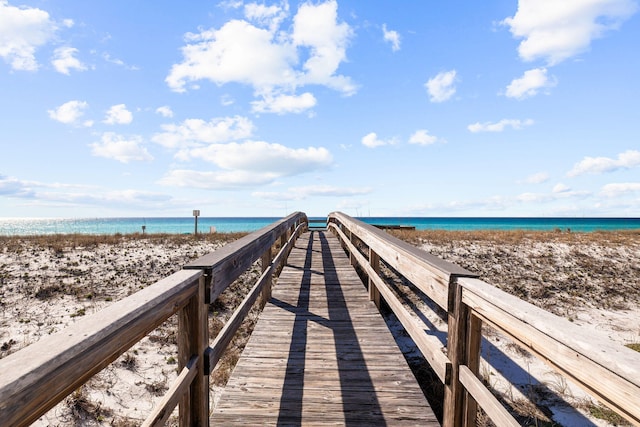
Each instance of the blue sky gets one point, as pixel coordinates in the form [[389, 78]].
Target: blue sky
[[430, 108]]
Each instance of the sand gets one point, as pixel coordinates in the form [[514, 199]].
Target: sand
[[45, 286]]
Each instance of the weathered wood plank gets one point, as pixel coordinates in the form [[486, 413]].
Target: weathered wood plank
[[609, 371], [45, 372], [320, 353]]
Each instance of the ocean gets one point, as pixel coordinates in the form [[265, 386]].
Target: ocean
[[185, 225]]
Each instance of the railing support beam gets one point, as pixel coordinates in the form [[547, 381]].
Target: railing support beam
[[374, 293], [193, 339], [463, 348]]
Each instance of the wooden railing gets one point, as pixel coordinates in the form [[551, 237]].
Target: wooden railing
[[36, 378], [608, 371]]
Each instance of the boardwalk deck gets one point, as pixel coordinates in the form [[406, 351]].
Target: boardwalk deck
[[321, 354]]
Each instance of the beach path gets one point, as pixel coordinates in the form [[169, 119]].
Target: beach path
[[321, 354]]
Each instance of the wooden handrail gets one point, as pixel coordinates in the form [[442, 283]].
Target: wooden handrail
[[609, 371], [227, 263], [36, 378], [427, 272]]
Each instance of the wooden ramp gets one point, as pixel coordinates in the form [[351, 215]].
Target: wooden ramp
[[321, 354]]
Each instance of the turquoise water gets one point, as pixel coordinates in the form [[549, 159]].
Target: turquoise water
[[186, 225]]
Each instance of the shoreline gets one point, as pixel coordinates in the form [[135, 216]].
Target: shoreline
[[186, 225], [48, 282]]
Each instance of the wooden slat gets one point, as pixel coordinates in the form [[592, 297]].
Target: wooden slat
[[320, 353], [487, 401], [179, 387]]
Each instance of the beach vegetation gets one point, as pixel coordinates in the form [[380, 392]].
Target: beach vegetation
[[634, 346], [603, 413]]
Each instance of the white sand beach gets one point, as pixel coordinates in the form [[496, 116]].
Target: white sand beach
[[47, 284]]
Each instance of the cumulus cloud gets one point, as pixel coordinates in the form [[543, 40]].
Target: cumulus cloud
[[499, 126], [22, 31], [282, 104], [392, 37], [259, 52], [531, 82], [442, 87], [195, 132], [165, 111], [70, 112], [422, 137], [556, 30], [262, 157], [117, 147], [619, 189], [300, 193], [371, 140], [64, 60], [268, 16], [118, 115], [597, 165]]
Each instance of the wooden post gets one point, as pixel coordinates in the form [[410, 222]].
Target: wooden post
[[463, 344], [352, 257], [374, 293], [472, 358], [266, 260], [193, 339]]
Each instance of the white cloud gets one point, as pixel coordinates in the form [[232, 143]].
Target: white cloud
[[596, 165], [531, 82], [216, 180], [237, 52], [442, 87], [371, 140], [559, 192], [537, 178], [165, 111], [69, 112], [265, 56], [556, 30], [560, 188], [64, 60], [499, 126], [422, 137], [13, 187], [619, 189], [107, 57], [117, 147], [22, 31], [53, 194], [195, 132], [300, 193], [262, 157], [317, 28], [118, 115], [282, 104], [392, 37], [268, 16]]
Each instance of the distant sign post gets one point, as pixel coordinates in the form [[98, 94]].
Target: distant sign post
[[196, 214]]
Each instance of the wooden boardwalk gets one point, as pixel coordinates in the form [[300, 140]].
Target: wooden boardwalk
[[321, 354]]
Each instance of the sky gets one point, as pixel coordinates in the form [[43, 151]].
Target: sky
[[113, 108]]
